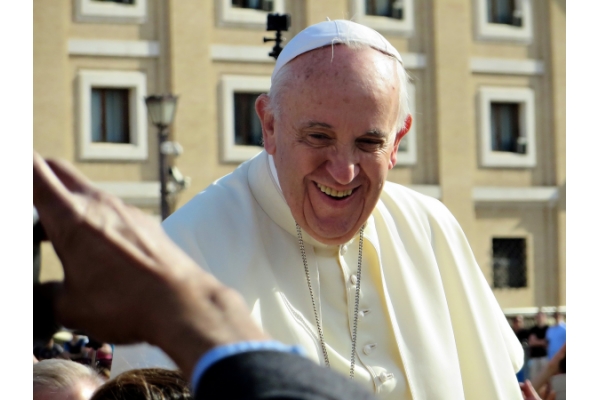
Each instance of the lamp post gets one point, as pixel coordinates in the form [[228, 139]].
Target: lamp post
[[161, 110]]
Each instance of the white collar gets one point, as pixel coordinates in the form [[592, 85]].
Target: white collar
[[273, 170]]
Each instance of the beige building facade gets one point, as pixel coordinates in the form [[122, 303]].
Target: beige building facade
[[487, 96]]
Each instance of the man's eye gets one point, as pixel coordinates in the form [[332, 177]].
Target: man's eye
[[315, 139], [369, 145], [318, 139], [318, 136]]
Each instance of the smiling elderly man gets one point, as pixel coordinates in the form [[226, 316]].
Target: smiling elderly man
[[370, 277]]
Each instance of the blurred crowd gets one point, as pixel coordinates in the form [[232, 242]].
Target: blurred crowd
[[60, 379], [79, 349], [544, 347], [78, 368]]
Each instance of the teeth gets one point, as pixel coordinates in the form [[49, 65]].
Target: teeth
[[334, 193]]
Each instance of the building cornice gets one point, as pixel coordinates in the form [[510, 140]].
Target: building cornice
[[260, 54], [113, 48], [547, 195], [506, 66]]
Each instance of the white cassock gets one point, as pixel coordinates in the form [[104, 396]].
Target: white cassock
[[429, 326]]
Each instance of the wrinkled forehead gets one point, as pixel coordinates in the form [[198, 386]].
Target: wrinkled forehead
[[357, 82], [341, 59]]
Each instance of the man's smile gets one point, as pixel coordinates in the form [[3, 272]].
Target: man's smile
[[335, 198], [334, 193]]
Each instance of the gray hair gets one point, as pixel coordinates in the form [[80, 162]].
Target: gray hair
[[283, 78], [57, 375]]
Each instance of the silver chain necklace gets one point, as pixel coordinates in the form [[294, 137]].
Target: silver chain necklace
[[356, 299]]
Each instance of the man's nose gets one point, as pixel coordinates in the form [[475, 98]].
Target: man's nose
[[343, 167]]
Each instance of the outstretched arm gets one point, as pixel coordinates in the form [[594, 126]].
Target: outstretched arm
[[130, 281]]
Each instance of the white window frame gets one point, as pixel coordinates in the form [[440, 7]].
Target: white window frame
[[109, 12], [135, 81], [525, 97], [245, 17], [231, 84], [409, 157], [491, 31], [404, 27]]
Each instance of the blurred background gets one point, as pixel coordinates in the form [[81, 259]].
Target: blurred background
[[487, 98]]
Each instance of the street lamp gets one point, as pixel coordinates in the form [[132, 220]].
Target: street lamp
[[161, 110]]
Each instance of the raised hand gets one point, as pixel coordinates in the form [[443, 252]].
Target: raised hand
[[125, 280]]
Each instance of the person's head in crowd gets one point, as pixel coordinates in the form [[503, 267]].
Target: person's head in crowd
[[47, 350], [104, 356], [558, 317], [76, 343], [63, 380], [517, 323], [540, 318], [146, 384], [50, 344]]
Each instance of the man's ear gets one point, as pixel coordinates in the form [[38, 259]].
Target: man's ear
[[399, 135], [267, 121]]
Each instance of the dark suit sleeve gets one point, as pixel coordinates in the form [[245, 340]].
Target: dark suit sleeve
[[275, 375]]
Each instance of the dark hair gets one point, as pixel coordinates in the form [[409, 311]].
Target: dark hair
[[145, 384]]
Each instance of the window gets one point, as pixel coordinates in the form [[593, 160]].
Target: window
[[248, 130], [407, 149], [241, 132], [119, 1], [247, 13], [112, 115], [111, 11], [509, 262], [264, 5], [506, 20], [403, 146], [385, 8], [504, 12], [507, 127], [392, 16]]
